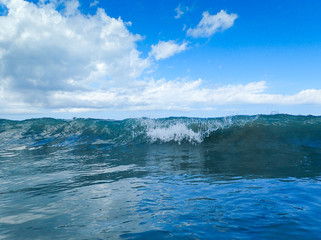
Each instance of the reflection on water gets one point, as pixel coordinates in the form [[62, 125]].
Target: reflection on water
[[160, 191]]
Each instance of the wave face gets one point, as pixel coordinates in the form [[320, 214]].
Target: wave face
[[240, 177], [271, 129]]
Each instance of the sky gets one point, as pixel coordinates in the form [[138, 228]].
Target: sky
[[124, 59]]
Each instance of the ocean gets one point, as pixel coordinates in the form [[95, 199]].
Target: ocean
[[239, 177]]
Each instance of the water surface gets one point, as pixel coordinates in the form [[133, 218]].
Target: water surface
[[243, 177]]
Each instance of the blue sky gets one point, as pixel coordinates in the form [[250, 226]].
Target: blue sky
[[119, 59]]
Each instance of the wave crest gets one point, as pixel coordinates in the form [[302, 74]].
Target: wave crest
[[107, 133]]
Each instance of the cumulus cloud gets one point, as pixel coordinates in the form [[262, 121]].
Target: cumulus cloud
[[211, 24], [71, 7], [167, 49], [42, 49]]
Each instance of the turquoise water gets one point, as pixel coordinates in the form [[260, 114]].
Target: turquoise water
[[242, 177]]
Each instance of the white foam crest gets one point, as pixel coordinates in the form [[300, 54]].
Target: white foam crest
[[180, 130], [177, 132]]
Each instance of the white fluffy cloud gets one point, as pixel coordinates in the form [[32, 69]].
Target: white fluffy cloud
[[43, 49], [159, 95], [178, 95], [167, 49], [211, 24]]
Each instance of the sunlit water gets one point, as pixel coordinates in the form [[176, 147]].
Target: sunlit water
[[242, 178]]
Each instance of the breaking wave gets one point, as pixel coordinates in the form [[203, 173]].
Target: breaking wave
[[34, 133]]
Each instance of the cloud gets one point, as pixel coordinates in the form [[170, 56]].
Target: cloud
[[178, 95], [71, 7], [42, 49], [180, 11], [55, 61], [211, 24], [167, 49], [94, 3]]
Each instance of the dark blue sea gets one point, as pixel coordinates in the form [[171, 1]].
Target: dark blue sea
[[240, 177]]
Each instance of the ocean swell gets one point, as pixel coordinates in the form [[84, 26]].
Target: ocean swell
[[258, 129]]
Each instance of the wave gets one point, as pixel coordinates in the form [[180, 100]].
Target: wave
[[258, 129]]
